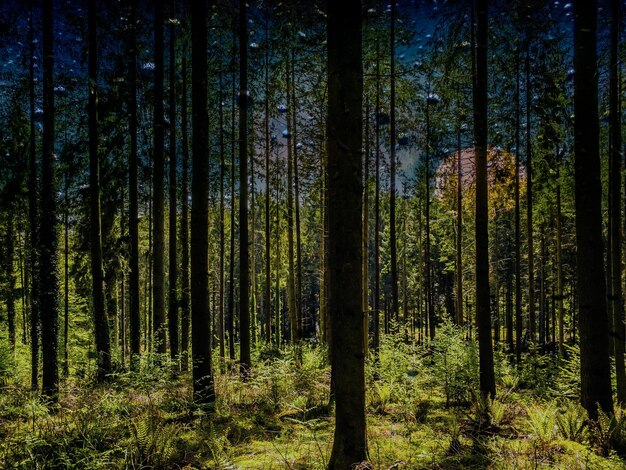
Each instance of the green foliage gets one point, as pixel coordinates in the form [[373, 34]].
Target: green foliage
[[455, 363], [567, 380], [571, 420], [7, 363], [542, 422], [538, 372]]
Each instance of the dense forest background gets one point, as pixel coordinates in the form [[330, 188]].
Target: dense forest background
[[229, 230]]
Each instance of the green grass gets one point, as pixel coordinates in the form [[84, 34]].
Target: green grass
[[280, 419]]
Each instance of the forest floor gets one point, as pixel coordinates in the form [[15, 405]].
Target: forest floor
[[420, 414]]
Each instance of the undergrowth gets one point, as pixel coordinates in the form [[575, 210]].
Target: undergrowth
[[423, 408]]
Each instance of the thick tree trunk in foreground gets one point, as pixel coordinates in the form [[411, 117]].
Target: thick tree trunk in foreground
[[483, 314], [344, 130], [593, 318], [200, 318]]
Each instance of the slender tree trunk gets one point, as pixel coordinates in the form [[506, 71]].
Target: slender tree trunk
[[231, 265], [296, 182], [101, 320], [158, 255], [66, 285], [344, 130], [392, 165], [172, 317], [200, 318], [518, 242], [323, 257], [133, 225], [529, 203], [366, 199], [184, 224], [244, 262], [615, 148], [33, 215], [268, 269], [220, 320], [459, 232], [430, 308], [291, 280], [593, 318], [559, 266], [23, 284], [376, 338], [10, 275], [49, 277], [483, 315]]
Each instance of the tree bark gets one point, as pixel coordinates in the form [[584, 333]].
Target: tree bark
[[101, 320], [158, 256], [244, 262], [268, 266], [133, 216], [615, 154], [392, 165], [483, 314], [344, 131], [48, 261], [593, 318], [529, 203], [172, 317], [200, 329], [376, 338], [518, 242], [184, 224], [33, 216]]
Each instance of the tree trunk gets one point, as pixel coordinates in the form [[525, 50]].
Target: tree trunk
[[231, 265], [49, 276], [244, 263], [376, 338], [200, 318], [291, 279], [518, 242], [268, 233], [158, 255], [33, 216], [172, 317], [133, 216], [296, 182], [559, 266], [483, 315], [366, 200], [529, 203], [101, 320], [220, 320], [392, 165], [593, 319], [615, 147], [430, 308], [66, 284], [184, 224], [459, 232], [344, 130], [10, 275]]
